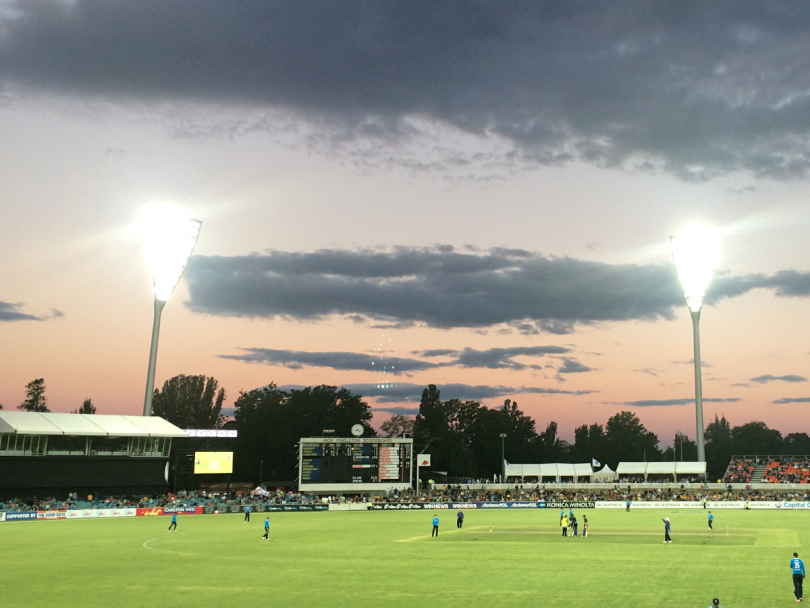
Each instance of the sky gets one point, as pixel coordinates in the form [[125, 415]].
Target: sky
[[477, 195]]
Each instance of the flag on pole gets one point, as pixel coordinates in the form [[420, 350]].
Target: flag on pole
[[423, 460], [595, 463]]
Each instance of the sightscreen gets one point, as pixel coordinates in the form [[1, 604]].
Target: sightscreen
[[213, 462]]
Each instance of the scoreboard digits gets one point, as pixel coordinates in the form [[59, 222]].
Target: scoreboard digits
[[355, 461]]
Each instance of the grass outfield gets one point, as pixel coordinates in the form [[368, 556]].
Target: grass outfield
[[388, 559]]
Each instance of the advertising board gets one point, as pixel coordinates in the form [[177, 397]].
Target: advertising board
[[51, 514], [483, 505], [22, 516], [653, 504], [96, 513], [266, 508], [183, 510], [141, 512], [2, 516]]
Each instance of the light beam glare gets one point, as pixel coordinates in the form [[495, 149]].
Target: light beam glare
[[695, 250], [169, 236]]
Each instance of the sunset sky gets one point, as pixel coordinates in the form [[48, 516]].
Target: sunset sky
[[483, 191]]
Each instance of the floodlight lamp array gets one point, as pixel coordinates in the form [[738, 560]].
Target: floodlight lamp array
[[170, 239], [695, 252]]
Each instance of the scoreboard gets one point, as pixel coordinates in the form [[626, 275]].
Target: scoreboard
[[343, 464]]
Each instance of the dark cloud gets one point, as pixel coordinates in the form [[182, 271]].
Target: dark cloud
[[443, 288], [662, 402], [10, 312], [494, 358], [769, 378], [405, 392], [696, 89], [436, 352], [335, 360], [502, 358], [570, 366], [691, 362], [792, 400], [397, 411]]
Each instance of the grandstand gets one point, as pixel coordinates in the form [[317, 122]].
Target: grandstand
[[626, 472], [556, 472], [53, 454], [783, 468]]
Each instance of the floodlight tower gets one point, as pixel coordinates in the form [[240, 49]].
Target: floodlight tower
[[695, 253], [170, 237]]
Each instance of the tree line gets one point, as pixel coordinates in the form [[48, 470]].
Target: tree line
[[463, 436], [36, 401]]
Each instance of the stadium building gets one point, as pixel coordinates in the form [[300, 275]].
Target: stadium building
[[47, 454]]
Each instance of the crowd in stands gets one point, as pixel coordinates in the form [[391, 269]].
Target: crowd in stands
[[777, 470], [452, 493], [739, 471], [796, 470], [458, 493]]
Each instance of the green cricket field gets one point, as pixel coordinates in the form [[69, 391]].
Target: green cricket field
[[388, 558]]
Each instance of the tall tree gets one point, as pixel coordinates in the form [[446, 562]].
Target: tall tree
[[86, 408], [397, 425], [519, 445], [682, 449], [190, 402], [627, 439], [797, 444], [552, 448], [756, 438], [271, 422], [589, 443], [719, 448], [35, 400]]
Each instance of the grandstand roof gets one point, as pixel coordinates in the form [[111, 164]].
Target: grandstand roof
[[631, 468], [84, 425], [687, 468], [583, 469], [659, 468], [549, 469]]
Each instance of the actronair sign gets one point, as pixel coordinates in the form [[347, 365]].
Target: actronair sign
[[218, 433]]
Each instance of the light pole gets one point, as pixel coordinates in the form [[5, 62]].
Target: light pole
[[503, 458], [170, 237], [695, 253]]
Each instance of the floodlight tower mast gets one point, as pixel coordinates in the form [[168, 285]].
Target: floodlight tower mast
[[170, 238], [695, 253]]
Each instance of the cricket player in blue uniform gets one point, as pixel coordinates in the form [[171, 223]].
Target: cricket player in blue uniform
[[266, 528], [797, 566], [627, 510], [247, 514], [711, 520], [459, 519], [667, 528], [715, 603], [435, 531], [174, 523]]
